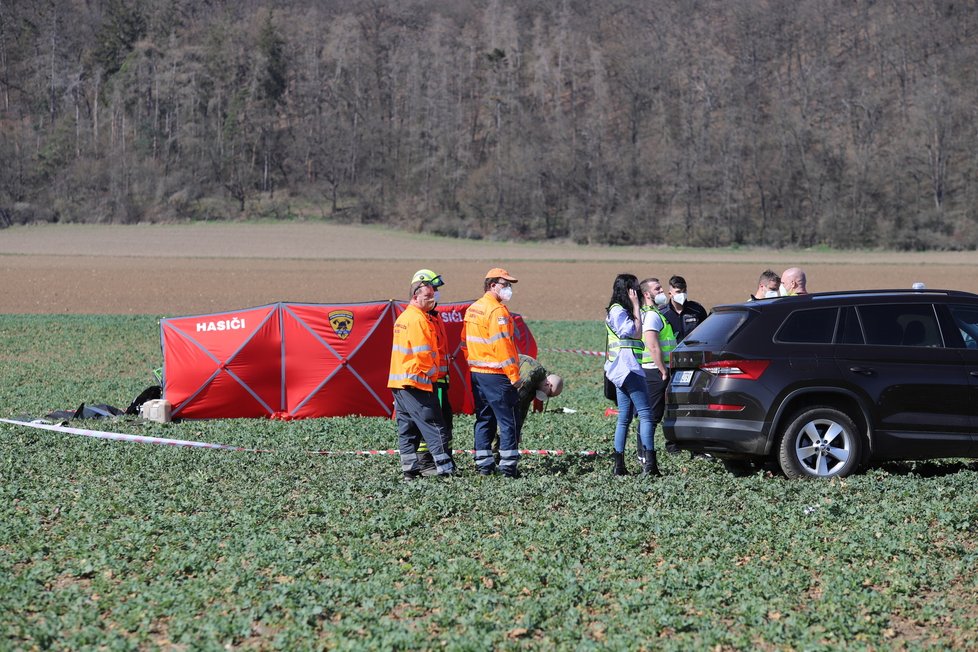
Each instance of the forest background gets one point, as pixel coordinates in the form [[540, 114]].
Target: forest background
[[835, 123]]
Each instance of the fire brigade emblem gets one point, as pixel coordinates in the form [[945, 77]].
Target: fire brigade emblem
[[342, 322]]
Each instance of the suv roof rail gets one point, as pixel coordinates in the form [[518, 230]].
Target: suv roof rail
[[891, 292], [838, 294]]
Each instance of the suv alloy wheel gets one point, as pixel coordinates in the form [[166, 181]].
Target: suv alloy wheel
[[820, 442]]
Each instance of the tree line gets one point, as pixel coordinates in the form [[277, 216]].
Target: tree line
[[837, 123]]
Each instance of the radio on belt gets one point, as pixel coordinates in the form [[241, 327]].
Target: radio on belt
[[158, 410]]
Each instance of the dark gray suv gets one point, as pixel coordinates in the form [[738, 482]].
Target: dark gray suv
[[825, 383]]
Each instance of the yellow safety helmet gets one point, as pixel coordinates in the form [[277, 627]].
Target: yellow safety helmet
[[427, 276]]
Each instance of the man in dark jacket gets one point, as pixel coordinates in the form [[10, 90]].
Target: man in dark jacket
[[683, 314]]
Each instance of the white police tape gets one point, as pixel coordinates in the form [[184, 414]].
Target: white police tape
[[118, 436], [577, 351], [162, 441]]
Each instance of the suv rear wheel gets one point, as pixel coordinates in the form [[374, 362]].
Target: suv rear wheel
[[820, 442]]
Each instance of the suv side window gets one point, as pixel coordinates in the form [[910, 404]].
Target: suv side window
[[901, 325], [966, 318], [849, 330], [809, 326]]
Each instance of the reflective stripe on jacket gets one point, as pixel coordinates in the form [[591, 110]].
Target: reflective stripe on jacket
[[488, 338], [414, 353], [667, 340], [615, 343]]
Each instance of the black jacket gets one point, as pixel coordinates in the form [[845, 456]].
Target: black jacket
[[683, 324]]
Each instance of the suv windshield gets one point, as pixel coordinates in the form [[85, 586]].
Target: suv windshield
[[718, 328]]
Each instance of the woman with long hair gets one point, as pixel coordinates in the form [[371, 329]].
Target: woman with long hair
[[624, 325]]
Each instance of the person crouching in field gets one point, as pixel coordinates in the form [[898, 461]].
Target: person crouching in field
[[536, 383], [413, 370]]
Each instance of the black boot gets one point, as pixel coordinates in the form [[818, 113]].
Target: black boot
[[620, 464], [426, 464], [651, 466]]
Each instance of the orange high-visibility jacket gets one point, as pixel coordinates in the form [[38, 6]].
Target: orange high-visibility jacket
[[444, 358], [414, 354], [488, 339]]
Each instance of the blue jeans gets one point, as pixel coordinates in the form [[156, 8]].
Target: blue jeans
[[495, 410], [634, 393]]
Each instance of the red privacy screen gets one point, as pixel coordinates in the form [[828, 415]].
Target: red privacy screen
[[296, 360]]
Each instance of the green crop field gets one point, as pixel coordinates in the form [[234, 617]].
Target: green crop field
[[111, 545]]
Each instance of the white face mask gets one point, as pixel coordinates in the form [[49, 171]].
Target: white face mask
[[772, 294], [506, 293], [542, 396], [783, 291], [436, 296], [680, 298], [661, 299]]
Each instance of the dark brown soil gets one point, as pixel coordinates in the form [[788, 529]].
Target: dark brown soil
[[190, 269]]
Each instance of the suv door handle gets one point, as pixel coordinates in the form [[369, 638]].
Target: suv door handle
[[866, 371], [974, 373]]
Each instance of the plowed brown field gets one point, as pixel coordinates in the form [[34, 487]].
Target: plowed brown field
[[199, 268]]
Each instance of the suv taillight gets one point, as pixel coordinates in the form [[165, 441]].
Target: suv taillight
[[749, 369]]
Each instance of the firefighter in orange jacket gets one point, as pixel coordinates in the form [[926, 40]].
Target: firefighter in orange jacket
[[428, 466], [413, 370], [490, 348]]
